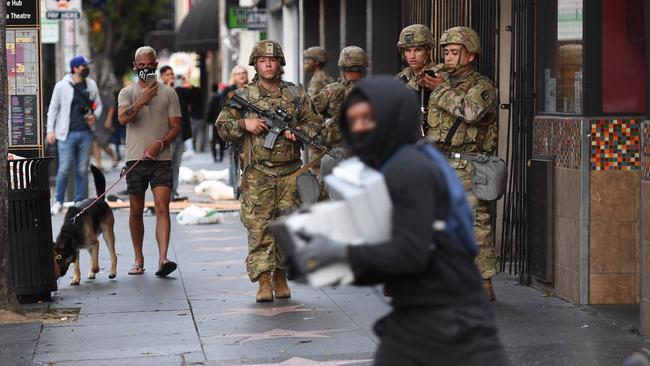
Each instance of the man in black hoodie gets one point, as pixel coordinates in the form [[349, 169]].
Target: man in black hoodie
[[441, 313]]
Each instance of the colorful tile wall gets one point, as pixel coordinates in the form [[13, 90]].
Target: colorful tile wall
[[559, 137], [615, 144], [646, 152]]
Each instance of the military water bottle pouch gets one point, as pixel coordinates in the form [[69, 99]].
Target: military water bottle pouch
[[489, 177]]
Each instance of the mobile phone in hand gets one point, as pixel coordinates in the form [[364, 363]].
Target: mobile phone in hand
[[430, 73], [150, 79]]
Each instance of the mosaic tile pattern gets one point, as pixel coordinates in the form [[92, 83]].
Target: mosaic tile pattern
[[645, 163], [558, 137], [615, 144]]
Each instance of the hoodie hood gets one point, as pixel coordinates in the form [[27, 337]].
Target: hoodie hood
[[396, 112]]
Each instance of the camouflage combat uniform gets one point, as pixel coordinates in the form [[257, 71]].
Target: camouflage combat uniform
[[318, 81], [472, 100], [268, 190], [417, 35], [407, 76], [320, 77], [329, 101]]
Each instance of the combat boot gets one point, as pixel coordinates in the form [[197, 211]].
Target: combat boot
[[487, 285], [280, 286], [265, 292]]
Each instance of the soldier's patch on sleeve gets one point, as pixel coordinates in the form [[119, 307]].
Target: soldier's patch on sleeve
[[485, 95]]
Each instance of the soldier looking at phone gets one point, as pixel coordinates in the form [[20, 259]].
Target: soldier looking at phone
[[151, 112]]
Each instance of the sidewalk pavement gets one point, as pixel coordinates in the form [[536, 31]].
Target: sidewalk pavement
[[205, 313]]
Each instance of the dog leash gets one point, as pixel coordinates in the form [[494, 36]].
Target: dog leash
[[74, 218]]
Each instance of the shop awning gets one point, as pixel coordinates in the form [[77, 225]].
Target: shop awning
[[200, 28], [161, 39]]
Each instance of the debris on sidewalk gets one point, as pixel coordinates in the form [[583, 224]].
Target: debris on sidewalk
[[189, 176], [216, 190], [199, 215]]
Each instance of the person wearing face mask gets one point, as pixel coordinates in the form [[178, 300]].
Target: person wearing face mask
[[440, 311], [74, 109], [463, 119], [268, 183], [151, 112]]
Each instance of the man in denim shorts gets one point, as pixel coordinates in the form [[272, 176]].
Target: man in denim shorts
[[151, 112]]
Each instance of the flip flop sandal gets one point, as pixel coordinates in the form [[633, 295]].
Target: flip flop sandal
[[166, 268], [137, 269]]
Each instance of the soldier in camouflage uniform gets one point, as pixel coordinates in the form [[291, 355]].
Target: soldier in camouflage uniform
[[353, 61], [416, 44], [268, 187], [463, 119], [314, 60]]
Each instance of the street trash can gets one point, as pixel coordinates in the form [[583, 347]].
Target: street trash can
[[31, 255]]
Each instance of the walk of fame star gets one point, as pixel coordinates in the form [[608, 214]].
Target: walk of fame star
[[283, 333], [271, 311]]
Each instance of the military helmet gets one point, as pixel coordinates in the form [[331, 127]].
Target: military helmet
[[317, 53], [266, 49], [416, 35], [353, 56], [462, 35]]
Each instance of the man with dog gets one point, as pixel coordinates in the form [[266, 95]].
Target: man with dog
[[268, 184], [151, 112]]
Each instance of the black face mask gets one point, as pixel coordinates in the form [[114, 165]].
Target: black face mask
[[142, 73], [85, 72], [362, 146]]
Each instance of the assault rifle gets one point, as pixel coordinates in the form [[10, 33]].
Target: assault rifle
[[277, 121]]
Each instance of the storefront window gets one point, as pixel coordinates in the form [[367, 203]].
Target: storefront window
[[560, 53], [623, 71]]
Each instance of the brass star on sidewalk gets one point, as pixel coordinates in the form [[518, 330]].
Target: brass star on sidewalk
[[283, 333], [299, 361], [271, 311]]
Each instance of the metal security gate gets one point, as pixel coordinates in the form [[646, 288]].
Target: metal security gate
[[480, 15], [514, 241]]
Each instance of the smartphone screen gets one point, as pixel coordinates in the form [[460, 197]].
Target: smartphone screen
[[150, 79]]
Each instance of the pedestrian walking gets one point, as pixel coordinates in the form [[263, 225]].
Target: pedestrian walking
[[268, 188], [440, 311], [238, 79], [104, 130], [71, 116], [151, 112], [168, 78]]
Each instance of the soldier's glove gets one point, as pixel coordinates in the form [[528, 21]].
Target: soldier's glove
[[319, 252]]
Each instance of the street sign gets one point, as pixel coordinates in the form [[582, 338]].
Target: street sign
[[62, 9], [246, 18], [22, 13], [256, 19], [62, 15]]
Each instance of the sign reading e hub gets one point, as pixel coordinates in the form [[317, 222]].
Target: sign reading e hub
[[22, 12]]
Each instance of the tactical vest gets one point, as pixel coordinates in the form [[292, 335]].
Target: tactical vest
[[468, 138], [284, 158]]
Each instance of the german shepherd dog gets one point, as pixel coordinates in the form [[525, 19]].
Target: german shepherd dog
[[83, 232]]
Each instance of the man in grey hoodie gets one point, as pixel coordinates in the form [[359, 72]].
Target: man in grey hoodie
[[74, 109]]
